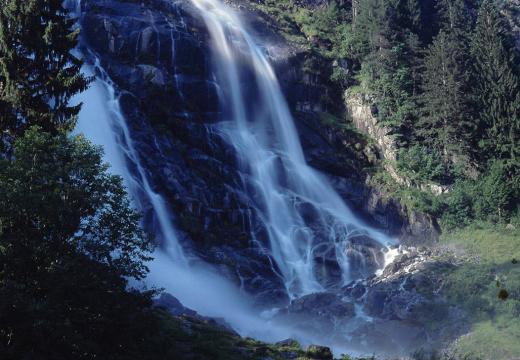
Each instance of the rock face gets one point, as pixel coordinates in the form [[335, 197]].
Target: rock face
[[399, 311], [320, 313], [156, 53], [364, 120], [362, 115], [173, 305]]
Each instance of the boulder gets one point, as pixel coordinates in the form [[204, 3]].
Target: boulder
[[321, 313], [316, 352], [171, 304]]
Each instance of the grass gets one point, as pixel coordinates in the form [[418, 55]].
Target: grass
[[476, 286], [491, 243], [487, 341]]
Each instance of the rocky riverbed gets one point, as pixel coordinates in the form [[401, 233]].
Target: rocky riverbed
[[401, 310]]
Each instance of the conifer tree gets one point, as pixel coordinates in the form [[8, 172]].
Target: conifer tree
[[454, 16], [38, 73], [498, 83], [447, 123]]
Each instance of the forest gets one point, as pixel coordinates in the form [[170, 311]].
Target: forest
[[443, 76]]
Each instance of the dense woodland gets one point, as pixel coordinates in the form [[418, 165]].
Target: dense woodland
[[444, 75]]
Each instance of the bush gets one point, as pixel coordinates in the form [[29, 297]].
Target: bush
[[496, 194], [458, 211], [420, 164]]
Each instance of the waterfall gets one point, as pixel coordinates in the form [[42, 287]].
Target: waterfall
[[197, 285], [101, 121], [282, 186], [303, 215]]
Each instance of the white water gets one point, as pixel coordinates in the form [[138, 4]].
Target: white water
[[267, 143], [196, 285], [262, 142]]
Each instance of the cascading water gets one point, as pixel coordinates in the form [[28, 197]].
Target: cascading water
[[197, 285], [302, 213]]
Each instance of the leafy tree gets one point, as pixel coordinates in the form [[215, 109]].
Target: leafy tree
[[419, 164], [459, 210], [38, 73], [59, 190], [498, 83], [68, 241]]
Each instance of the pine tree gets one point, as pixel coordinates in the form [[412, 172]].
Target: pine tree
[[447, 124], [498, 83], [38, 73], [454, 16], [371, 27], [385, 43]]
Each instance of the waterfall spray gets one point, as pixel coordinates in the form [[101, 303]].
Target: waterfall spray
[[268, 147]]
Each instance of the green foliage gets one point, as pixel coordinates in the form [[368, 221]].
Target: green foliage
[[418, 164], [317, 24], [68, 241], [497, 195], [412, 198], [447, 121], [459, 210], [57, 190], [497, 83], [493, 197], [38, 73]]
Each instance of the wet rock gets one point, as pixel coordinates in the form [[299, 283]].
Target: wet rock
[[408, 293], [355, 290], [173, 305], [365, 256], [157, 54], [322, 313], [316, 352]]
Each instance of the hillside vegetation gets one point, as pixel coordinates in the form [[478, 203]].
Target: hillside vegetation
[[443, 76]]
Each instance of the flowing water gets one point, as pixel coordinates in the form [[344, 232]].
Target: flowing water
[[303, 214], [301, 211]]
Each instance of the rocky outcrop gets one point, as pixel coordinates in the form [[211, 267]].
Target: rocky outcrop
[[398, 311], [194, 337], [413, 228], [157, 56], [408, 294], [362, 115], [364, 120]]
